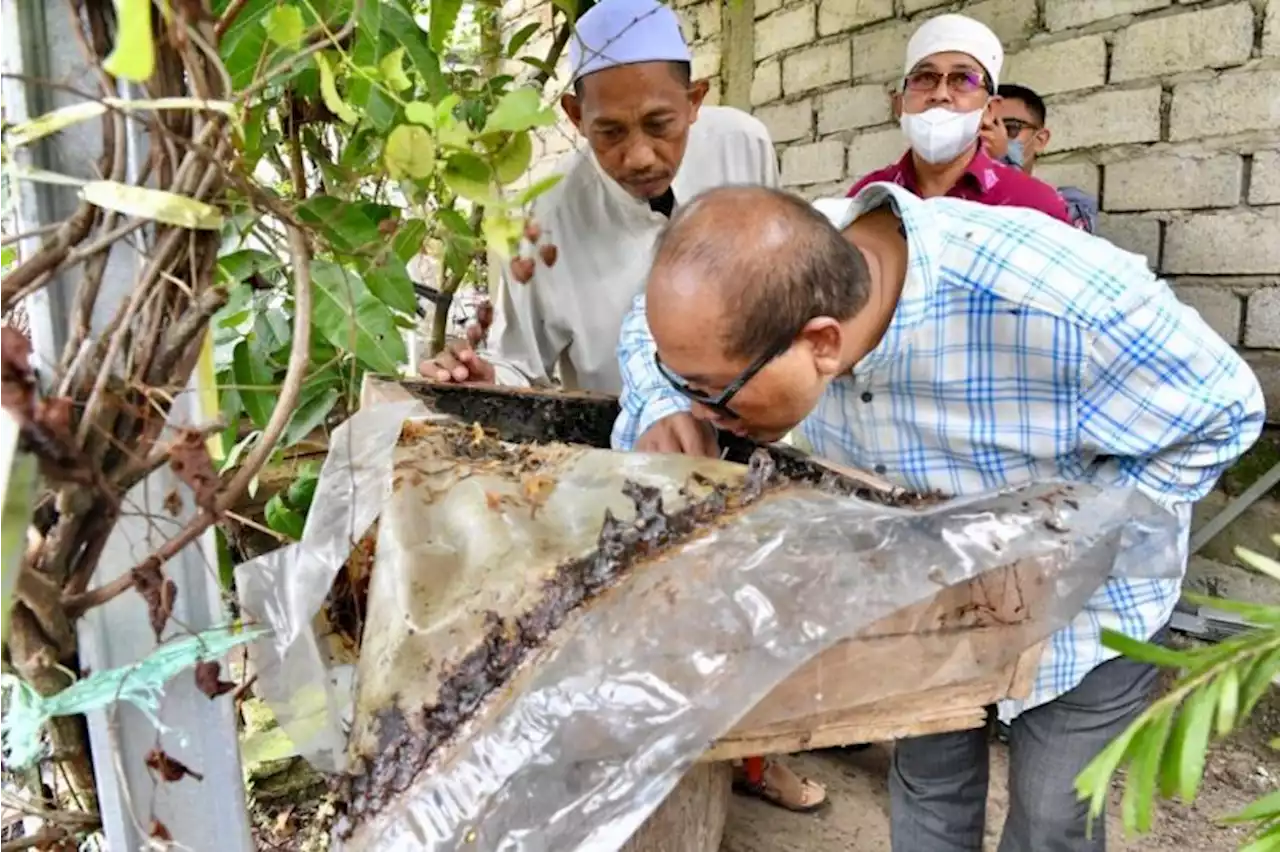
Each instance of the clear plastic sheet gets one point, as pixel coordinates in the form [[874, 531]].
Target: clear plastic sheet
[[286, 588], [599, 723]]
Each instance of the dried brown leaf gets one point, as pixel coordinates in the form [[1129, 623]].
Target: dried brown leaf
[[169, 768], [173, 503], [189, 459], [209, 680], [158, 591], [160, 831]]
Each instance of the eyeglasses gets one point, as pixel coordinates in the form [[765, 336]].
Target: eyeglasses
[[719, 403], [1015, 126], [960, 82]]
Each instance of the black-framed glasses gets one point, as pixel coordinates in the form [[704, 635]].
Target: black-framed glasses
[[1015, 126], [960, 82], [719, 402]]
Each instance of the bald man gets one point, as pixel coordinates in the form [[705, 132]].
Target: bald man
[[957, 347]]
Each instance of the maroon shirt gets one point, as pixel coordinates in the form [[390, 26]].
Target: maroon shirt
[[984, 181]]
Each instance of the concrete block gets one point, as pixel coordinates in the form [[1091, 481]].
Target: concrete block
[[1082, 176], [1011, 20], [706, 61], [837, 16], [817, 162], [1232, 103], [707, 16], [1106, 118], [1137, 234], [1065, 14], [1079, 63], [910, 7], [1173, 182], [878, 53], [857, 106], [1266, 366], [1213, 38], [1271, 29], [1219, 307], [834, 189], [1236, 242], [715, 90], [875, 149], [1262, 322], [766, 7], [816, 67], [766, 84], [785, 30], [1264, 179], [788, 122]]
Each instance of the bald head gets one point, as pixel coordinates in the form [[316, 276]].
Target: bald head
[[762, 260]]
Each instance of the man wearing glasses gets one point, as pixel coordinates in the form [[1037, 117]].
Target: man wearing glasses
[[948, 96], [961, 348], [1019, 134]]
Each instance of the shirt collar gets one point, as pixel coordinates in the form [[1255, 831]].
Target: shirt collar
[[981, 173], [925, 239]]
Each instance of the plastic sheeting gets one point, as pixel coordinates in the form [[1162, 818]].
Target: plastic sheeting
[[597, 726]]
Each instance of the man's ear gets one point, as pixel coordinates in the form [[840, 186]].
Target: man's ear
[[573, 108], [697, 94], [826, 341], [1041, 138], [895, 101]]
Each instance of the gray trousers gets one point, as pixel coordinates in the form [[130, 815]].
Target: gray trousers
[[938, 783]]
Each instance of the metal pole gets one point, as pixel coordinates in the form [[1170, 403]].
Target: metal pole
[[205, 814], [1236, 508]]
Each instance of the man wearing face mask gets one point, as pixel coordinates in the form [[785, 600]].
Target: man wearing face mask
[[948, 91], [1018, 134]]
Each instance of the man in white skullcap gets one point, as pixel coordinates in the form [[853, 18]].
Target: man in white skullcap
[[949, 83], [652, 145]]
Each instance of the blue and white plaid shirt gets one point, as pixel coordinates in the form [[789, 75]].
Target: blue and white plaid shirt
[[1022, 349]]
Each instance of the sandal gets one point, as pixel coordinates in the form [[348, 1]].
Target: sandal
[[781, 787]]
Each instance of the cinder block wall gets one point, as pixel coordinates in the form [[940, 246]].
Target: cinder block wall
[[1168, 111]]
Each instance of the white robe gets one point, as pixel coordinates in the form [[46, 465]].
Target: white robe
[[566, 320]]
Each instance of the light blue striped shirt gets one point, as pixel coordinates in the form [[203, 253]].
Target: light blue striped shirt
[[1022, 349]]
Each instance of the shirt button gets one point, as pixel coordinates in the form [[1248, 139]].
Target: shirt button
[[866, 396], [880, 468]]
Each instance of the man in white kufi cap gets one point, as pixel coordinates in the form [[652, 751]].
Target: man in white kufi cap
[[651, 146], [949, 82]]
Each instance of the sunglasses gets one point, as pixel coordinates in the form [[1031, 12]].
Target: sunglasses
[[959, 82], [719, 402]]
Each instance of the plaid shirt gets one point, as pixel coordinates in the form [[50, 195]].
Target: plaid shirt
[[1021, 350]]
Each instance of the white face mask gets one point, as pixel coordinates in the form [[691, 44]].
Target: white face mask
[[939, 135]]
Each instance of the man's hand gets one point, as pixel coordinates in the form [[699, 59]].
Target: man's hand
[[995, 136], [680, 433], [458, 361]]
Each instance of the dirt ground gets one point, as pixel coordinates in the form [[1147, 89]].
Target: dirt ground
[[1238, 771]]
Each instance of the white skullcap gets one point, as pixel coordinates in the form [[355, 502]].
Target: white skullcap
[[956, 34], [624, 32]]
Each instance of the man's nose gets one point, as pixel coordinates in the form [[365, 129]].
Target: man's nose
[[941, 93], [639, 157]]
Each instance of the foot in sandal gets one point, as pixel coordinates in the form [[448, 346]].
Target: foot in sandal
[[778, 785]]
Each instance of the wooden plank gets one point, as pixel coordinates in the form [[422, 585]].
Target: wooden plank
[[692, 817]]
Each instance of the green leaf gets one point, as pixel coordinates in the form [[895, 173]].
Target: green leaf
[[347, 226], [444, 16], [1228, 700], [1182, 767], [521, 38], [329, 92], [455, 222], [401, 26], [1268, 841], [255, 383], [392, 68], [134, 56], [285, 26], [1258, 614], [501, 233], [537, 188], [1094, 781], [408, 241], [242, 265], [303, 489], [282, 519], [1258, 562], [519, 109], [513, 160], [348, 316], [1140, 785], [167, 207], [1255, 684], [1268, 807], [410, 153], [469, 177], [540, 64], [310, 415], [420, 113], [569, 7], [1143, 652]]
